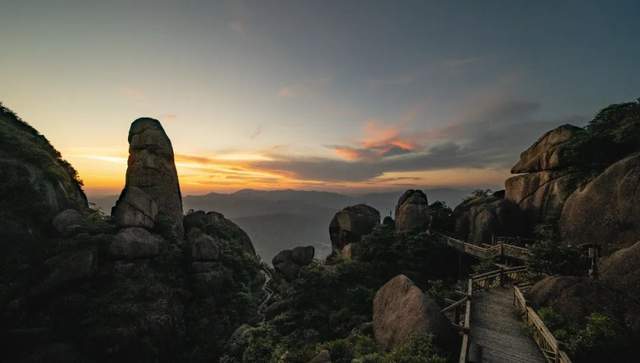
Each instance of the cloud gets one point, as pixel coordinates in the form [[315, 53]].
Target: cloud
[[303, 88], [491, 138]]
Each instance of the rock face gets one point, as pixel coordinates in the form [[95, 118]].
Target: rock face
[[136, 242], [480, 218], [621, 270], [37, 184], [151, 169], [607, 210], [220, 228], [576, 297], [289, 262], [412, 212], [68, 222], [401, 309], [135, 208], [350, 224], [541, 192], [549, 152]]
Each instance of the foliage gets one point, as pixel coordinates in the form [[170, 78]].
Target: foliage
[[441, 217], [484, 265], [478, 194], [600, 337], [551, 257]]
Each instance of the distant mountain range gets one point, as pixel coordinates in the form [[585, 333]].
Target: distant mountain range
[[280, 219]]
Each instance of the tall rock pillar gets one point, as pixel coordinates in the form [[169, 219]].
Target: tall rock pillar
[[151, 197]]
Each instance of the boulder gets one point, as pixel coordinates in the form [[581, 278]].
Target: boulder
[[621, 270], [607, 210], [151, 168], [289, 262], [351, 223], [412, 212], [135, 208], [68, 222], [136, 242], [302, 255], [541, 195], [550, 152], [322, 357], [220, 228], [401, 310], [478, 219]]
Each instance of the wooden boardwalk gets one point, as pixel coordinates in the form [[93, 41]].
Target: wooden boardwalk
[[498, 331]]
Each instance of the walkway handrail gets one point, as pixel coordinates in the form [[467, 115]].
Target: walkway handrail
[[545, 340], [466, 327], [496, 250]]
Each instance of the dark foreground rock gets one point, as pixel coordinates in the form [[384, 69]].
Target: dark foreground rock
[[350, 224], [412, 212], [401, 309], [289, 262]]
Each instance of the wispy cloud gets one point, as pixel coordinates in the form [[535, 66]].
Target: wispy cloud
[[303, 88]]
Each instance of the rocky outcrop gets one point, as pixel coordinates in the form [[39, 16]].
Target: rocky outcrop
[[401, 309], [621, 270], [607, 210], [575, 298], [37, 184], [549, 181], [549, 152], [136, 242], [76, 286], [480, 218], [289, 262], [412, 212], [135, 208], [350, 224], [220, 228], [541, 195], [68, 222], [151, 169]]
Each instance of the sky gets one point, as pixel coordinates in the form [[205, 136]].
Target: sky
[[322, 95]]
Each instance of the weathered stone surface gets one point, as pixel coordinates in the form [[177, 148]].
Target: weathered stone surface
[[68, 222], [480, 218], [351, 223], [67, 268], [204, 247], [136, 242], [135, 208], [412, 212], [151, 168], [220, 228], [401, 309], [607, 210], [576, 297], [302, 255], [548, 153], [322, 357], [621, 270], [541, 195], [289, 262]]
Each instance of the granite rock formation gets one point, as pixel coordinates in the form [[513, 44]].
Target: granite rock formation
[[350, 224], [480, 218], [412, 212], [607, 210], [151, 169], [289, 262], [401, 309]]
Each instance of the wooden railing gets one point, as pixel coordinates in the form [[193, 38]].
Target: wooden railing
[[461, 309], [545, 340], [487, 251]]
